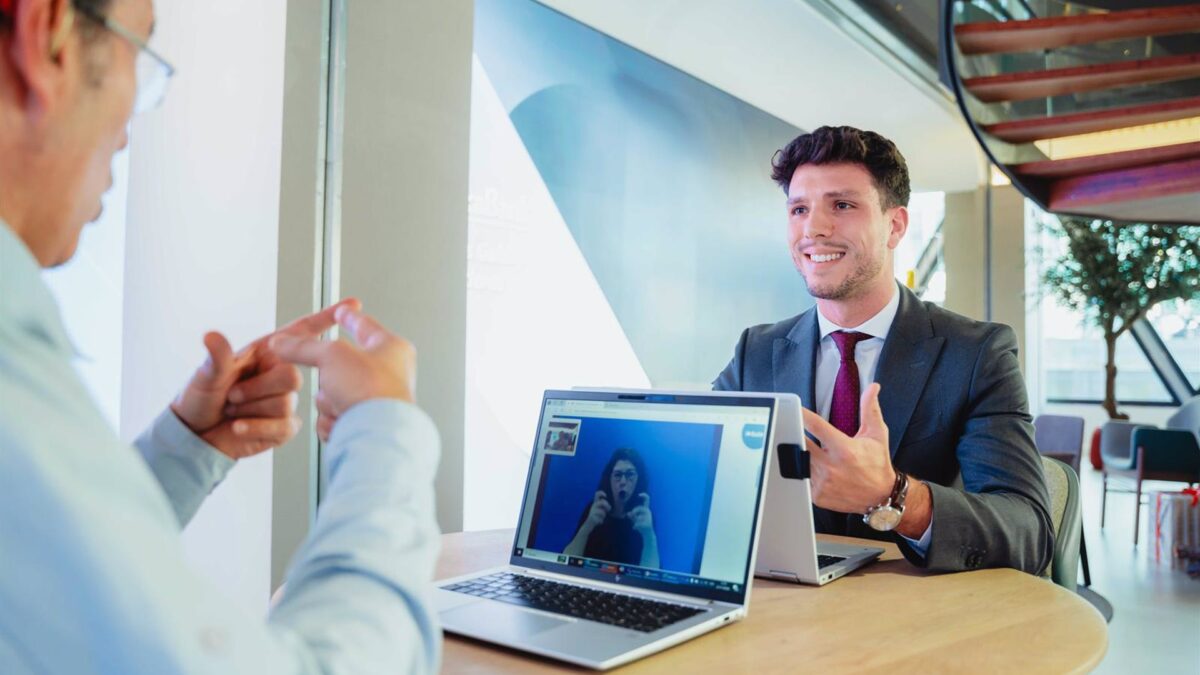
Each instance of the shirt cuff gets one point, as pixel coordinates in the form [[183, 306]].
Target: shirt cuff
[[386, 430], [187, 468], [921, 546]]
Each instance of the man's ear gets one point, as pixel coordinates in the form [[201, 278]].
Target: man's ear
[[897, 225], [40, 42]]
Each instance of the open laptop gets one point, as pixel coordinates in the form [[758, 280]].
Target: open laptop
[[638, 527], [788, 548]]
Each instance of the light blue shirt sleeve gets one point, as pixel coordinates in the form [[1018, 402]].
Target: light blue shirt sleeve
[[921, 546], [95, 579], [187, 468]]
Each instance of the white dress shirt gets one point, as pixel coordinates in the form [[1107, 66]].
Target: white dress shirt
[[866, 352], [866, 356]]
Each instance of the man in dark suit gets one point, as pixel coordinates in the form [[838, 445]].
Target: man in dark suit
[[941, 396]]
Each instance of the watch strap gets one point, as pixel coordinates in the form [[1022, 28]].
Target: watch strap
[[899, 491]]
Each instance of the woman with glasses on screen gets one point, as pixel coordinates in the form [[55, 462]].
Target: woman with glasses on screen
[[618, 526]]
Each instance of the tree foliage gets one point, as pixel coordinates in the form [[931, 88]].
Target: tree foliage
[[1114, 272]]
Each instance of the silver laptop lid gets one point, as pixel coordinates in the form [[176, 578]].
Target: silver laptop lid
[[655, 491]]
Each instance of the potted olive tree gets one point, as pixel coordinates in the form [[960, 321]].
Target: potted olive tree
[[1114, 272]]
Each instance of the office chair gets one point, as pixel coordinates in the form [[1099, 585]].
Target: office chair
[[1171, 454], [1116, 451], [1061, 437], [1065, 513], [1163, 454]]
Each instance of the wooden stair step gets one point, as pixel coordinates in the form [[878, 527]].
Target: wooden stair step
[[1063, 31], [1112, 161], [1040, 128], [1168, 179], [1061, 81]]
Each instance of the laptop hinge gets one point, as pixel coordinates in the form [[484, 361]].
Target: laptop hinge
[[784, 576], [793, 461]]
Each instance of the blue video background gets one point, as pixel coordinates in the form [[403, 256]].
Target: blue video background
[[681, 459]]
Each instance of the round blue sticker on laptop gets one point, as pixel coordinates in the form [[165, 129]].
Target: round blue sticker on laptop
[[754, 435]]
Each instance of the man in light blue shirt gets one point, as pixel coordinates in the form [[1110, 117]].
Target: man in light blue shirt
[[92, 574]]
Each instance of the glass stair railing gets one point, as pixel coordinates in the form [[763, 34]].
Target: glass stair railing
[[1087, 111]]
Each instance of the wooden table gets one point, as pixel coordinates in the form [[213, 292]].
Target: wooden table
[[887, 617]]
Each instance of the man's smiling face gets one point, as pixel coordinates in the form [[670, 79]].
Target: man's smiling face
[[841, 238]]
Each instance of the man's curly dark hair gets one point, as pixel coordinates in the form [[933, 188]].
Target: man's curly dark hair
[[836, 145]]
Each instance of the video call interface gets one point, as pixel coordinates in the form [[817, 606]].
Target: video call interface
[[663, 492]]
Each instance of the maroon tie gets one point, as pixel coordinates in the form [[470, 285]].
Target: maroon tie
[[843, 412]]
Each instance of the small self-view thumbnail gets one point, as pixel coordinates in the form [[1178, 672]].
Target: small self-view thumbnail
[[561, 436]]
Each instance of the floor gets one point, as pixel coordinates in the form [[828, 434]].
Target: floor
[[1156, 609]]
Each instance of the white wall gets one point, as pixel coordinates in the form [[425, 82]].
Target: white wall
[[202, 227], [787, 58]]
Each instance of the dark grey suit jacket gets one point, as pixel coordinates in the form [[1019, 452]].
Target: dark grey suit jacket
[[954, 401]]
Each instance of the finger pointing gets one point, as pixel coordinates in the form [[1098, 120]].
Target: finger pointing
[[302, 351], [366, 330], [314, 324]]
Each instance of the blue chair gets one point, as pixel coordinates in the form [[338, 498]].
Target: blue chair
[[1171, 454]]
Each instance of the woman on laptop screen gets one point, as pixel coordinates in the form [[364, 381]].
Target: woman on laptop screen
[[618, 525]]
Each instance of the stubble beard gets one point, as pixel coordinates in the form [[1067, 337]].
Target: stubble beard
[[855, 284]]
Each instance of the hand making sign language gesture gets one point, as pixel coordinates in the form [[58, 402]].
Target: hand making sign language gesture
[[380, 365], [245, 403], [853, 474]]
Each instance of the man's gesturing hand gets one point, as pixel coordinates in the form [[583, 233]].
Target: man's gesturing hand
[[382, 365], [245, 403], [851, 474]]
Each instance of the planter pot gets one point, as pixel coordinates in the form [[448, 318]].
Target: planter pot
[[1094, 455]]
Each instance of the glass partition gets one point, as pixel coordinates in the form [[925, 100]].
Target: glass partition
[[623, 230]]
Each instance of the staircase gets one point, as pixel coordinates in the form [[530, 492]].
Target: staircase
[[1089, 111]]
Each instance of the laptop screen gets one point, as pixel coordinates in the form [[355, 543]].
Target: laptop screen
[[651, 490]]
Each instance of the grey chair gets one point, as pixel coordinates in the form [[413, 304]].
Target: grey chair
[[1060, 437], [1187, 417], [1065, 513], [1117, 453]]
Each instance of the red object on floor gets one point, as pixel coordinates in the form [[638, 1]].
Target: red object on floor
[[1097, 461]]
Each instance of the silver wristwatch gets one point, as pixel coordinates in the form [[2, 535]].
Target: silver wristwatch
[[886, 516]]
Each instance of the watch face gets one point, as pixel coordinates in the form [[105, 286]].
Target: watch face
[[885, 518]]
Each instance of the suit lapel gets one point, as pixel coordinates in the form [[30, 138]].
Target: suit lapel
[[795, 359], [904, 365]]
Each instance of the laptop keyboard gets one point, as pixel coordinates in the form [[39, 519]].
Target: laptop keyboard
[[827, 560], [614, 609]]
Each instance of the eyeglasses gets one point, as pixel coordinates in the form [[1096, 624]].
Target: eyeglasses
[[627, 474], [153, 71]]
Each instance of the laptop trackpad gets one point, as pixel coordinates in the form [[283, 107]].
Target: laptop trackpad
[[498, 621]]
